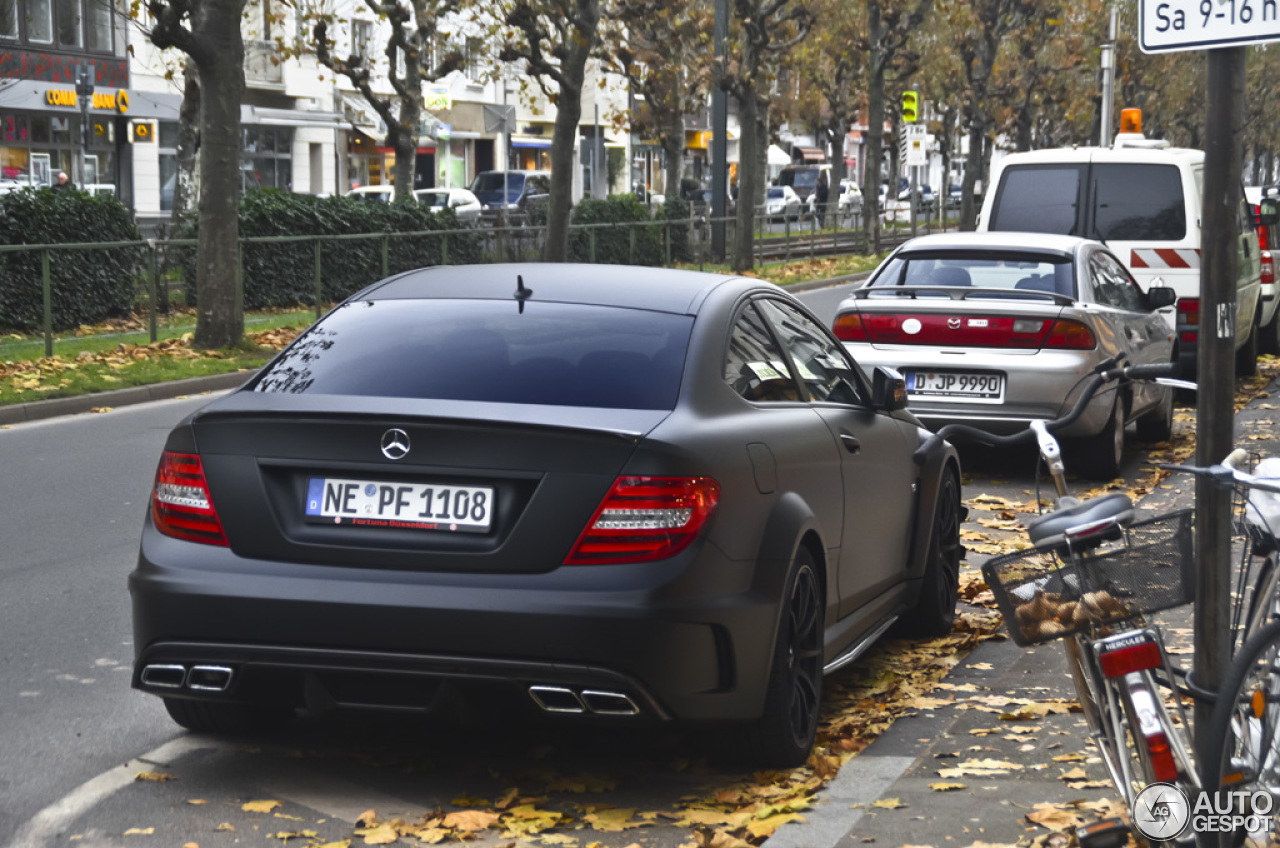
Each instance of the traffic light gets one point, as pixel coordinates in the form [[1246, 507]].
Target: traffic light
[[910, 107]]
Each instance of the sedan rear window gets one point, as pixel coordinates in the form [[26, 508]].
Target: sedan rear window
[[968, 269], [486, 350]]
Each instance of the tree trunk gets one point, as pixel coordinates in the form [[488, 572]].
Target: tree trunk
[[973, 166], [404, 135], [184, 184], [838, 138], [749, 183], [673, 150], [564, 148], [220, 306], [875, 128]]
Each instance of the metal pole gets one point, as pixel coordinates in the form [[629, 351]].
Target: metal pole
[[46, 286], [153, 284], [1108, 76], [595, 155], [720, 136], [506, 153], [1216, 369]]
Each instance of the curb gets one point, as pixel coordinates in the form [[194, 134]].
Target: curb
[[41, 409], [831, 282]]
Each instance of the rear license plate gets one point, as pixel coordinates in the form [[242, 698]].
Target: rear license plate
[[409, 506], [959, 385]]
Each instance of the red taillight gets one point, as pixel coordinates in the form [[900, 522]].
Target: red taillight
[[1268, 269], [1120, 662], [1163, 765], [1189, 311], [180, 503], [952, 330], [646, 518], [849, 328], [1070, 335]]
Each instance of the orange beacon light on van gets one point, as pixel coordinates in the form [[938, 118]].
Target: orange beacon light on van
[[1131, 121]]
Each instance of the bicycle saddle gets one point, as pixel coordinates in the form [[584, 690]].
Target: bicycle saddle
[[1086, 524]]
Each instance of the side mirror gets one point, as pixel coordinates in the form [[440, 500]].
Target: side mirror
[[888, 389], [1268, 213], [1158, 297]]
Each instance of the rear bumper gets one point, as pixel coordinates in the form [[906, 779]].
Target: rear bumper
[[687, 638]]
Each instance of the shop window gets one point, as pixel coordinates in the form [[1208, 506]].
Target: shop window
[[98, 29], [8, 18], [267, 160], [40, 130], [68, 22], [40, 21]]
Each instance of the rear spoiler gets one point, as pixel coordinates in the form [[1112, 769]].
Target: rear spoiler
[[629, 424], [959, 293]]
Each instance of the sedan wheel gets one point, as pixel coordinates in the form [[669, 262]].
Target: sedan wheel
[[935, 610], [784, 736], [1157, 425]]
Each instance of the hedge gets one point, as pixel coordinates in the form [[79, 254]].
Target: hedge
[[639, 243], [283, 274], [88, 286]]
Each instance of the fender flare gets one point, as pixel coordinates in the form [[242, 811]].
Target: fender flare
[[788, 523]]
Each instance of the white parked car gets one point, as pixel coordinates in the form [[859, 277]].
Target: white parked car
[[463, 203], [374, 194], [781, 203]]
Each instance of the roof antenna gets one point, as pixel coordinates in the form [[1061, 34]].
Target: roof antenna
[[522, 293]]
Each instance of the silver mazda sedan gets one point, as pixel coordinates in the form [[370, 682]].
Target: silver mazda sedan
[[999, 329]]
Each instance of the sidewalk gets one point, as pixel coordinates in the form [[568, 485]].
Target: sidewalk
[[997, 758]]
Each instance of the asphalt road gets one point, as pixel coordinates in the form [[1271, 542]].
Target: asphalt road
[[72, 493]]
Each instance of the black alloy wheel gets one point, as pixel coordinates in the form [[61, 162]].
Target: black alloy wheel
[[804, 655], [934, 612]]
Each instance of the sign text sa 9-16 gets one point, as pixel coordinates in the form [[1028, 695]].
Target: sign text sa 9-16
[[1169, 25]]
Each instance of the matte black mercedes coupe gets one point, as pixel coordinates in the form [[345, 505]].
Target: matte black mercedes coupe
[[608, 491]]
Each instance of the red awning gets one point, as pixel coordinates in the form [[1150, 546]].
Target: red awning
[[807, 154]]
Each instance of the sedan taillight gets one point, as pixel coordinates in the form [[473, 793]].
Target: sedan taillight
[[1070, 335], [646, 518], [1268, 269], [180, 503], [849, 328]]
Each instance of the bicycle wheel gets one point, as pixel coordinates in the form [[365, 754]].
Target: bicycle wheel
[[1244, 728]]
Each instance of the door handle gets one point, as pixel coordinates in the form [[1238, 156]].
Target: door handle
[[851, 443]]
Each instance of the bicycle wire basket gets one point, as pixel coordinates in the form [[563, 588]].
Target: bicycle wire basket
[[1045, 596]]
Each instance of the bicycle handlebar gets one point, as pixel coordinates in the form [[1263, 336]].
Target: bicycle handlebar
[[1104, 373], [1227, 474]]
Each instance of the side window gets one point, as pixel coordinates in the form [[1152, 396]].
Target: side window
[[1138, 203], [1130, 295], [824, 366], [753, 366], [1112, 285]]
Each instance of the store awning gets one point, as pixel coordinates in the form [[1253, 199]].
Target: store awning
[[807, 154], [529, 141], [377, 136], [778, 156], [292, 118]]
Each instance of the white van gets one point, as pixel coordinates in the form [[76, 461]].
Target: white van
[[1142, 198]]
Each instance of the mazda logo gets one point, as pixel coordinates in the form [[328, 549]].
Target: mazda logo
[[395, 444], [953, 323]]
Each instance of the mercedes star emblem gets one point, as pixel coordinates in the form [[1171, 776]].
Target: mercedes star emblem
[[395, 444]]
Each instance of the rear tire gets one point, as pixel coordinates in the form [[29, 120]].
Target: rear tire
[[224, 718], [783, 736], [1098, 457], [1269, 341], [935, 610], [1157, 425]]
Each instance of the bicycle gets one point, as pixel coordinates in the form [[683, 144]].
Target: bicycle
[[1243, 725], [1091, 575]]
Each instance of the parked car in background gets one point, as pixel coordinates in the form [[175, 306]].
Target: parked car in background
[[850, 198], [999, 329], [373, 194], [644, 495], [523, 188], [803, 179], [781, 203], [1269, 332], [465, 205]]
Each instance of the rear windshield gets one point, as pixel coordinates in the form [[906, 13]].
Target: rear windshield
[[434, 198], [1130, 202], [1139, 203], [1015, 271], [803, 179], [486, 350], [1038, 199], [492, 181]]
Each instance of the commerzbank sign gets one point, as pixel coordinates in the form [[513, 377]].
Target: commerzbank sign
[[117, 101]]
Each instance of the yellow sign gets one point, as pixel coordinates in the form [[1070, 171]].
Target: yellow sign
[[437, 99], [142, 132], [117, 102]]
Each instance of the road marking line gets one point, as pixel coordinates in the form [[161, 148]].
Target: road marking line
[[862, 780], [58, 816]]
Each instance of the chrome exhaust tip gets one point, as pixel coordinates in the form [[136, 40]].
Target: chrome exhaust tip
[[556, 699], [609, 703], [164, 676], [209, 678]]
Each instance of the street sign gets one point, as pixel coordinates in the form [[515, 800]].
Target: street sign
[[1169, 25], [916, 152]]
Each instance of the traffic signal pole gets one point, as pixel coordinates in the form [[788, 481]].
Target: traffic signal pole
[[1215, 364]]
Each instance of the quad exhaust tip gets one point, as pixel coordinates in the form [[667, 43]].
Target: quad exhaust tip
[[199, 678], [561, 699]]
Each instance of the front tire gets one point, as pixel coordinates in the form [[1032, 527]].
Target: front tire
[[1157, 425], [1247, 356], [935, 609], [783, 736]]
